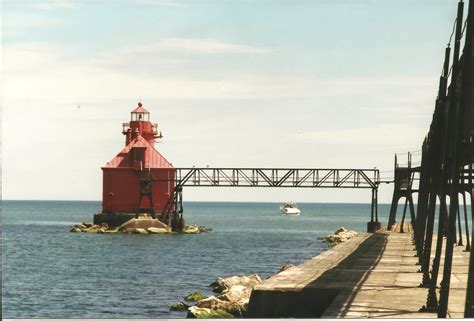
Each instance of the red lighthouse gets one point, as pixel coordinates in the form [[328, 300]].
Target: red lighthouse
[[139, 179]]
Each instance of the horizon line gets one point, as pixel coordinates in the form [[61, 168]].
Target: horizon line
[[191, 201]]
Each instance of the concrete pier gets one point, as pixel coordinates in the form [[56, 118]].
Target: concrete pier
[[370, 276]]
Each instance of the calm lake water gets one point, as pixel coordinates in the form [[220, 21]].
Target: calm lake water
[[51, 273]]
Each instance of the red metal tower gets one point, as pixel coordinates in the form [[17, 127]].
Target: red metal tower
[[139, 179]]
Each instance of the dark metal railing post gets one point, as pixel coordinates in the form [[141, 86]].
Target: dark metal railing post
[[436, 150], [468, 81], [425, 263], [454, 170], [423, 197], [403, 216], [377, 223], [460, 242]]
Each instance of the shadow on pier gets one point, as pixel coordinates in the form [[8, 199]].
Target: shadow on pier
[[310, 300]]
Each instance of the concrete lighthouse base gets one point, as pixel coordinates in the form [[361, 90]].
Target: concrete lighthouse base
[[144, 222], [128, 221], [113, 219]]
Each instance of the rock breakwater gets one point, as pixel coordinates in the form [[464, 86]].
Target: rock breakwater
[[103, 228], [230, 301], [341, 235]]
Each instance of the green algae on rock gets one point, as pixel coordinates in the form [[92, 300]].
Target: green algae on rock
[[194, 297], [180, 306]]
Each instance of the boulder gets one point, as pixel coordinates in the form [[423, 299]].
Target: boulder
[[345, 232], [341, 235], [194, 297], [203, 313], [192, 230], [214, 303], [180, 306], [232, 301], [157, 230], [144, 224], [87, 224], [223, 284], [104, 225], [139, 231], [350, 234], [335, 239], [211, 302], [77, 228], [237, 294], [92, 229]]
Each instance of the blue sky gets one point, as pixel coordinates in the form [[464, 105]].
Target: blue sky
[[231, 83]]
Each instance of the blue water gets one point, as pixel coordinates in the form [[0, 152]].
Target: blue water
[[51, 273]]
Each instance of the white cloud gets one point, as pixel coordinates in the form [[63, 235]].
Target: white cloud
[[193, 46], [210, 46], [169, 3], [54, 4], [46, 71], [40, 70], [15, 23]]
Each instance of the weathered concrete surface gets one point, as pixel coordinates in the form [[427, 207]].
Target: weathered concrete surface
[[369, 276], [143, 222]]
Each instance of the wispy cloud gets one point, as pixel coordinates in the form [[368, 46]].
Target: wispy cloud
[[168, 3], [172, 58], [42, 70], [194, 46], [15, 23], [198, 45], [54, 4]]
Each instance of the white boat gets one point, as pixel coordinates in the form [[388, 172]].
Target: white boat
[[290, 209]]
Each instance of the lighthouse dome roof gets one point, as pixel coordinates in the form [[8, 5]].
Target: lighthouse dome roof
[[140, 109]]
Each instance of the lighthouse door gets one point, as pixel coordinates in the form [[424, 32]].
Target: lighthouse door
[[145, 191]]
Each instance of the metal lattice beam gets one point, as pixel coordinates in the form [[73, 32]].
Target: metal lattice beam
[[278, 177]]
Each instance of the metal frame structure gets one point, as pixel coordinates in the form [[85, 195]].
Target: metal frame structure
[[446, 171], [274, 177], [404, 178], [278, 177]]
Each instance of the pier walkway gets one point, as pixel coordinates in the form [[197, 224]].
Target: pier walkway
[[369, 276]]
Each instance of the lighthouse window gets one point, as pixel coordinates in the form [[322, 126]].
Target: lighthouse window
[[139, 155], [140, 117]]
